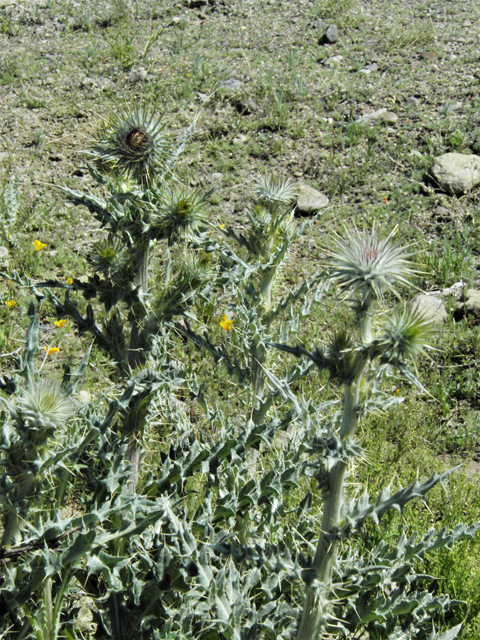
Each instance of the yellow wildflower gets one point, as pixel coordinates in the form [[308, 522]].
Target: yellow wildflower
[[225, 323], [70, 281], [222, 226], [11, 303], [51, 350], [60, 323], [39, 245]]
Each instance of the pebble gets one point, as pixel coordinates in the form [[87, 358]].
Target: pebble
[[456, 173], [331, 35], [431, 307], [231, 83], [3, 252], [369, 68], [310, 200], [138, 75], [389, 117]]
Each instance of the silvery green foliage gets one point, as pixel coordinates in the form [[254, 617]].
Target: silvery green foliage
[[216, 543], [9, 210]]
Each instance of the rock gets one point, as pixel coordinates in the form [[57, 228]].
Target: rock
[[371, 116], [240, 139], [456, 173], [456, 291], [429, 55], [310, 200], [470, 306], [217, 176], [369, 68], [331, 35], [246, 107], [388, 117], [138, 75], [333, 61], [3, 254], [431, 307], [231, 83], [412, 101], [442, 214]]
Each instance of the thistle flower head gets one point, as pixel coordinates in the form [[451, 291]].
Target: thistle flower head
[[181, 214], [272, 191], [44, 407], [408, 334], [108, 257], [339, 357], [132, 145], [368, 265]]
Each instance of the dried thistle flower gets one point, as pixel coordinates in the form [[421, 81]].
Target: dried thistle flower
[[132, 145]]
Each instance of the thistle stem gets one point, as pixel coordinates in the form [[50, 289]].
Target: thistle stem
[[315, 611], [138, 342]]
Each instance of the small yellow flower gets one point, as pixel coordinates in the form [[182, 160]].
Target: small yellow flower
[[225, 323], [39, 245], [70, 281], [60, 323], [397, 392], [11, 303], [222, 226], [51, 350], [188, 75]]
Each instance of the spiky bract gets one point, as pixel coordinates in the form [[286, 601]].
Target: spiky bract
[[408, 334], [272, 191], [133, 145], [108, 257], [368, 265], [180, 214]]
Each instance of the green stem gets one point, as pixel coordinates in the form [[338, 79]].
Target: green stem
[[136, 356]]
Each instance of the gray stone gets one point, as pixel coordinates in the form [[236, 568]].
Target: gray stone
[[240, 139], [334, 60], [371, 116], [389, 117], [369, 68], [412, 101], [456, 173], [331, 34], [216, 176], [470, 305], [3, 252], [310, 200], [431, 307], [231, 83], [138, 75]]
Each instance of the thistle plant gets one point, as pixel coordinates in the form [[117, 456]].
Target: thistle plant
[[208, 546], [132, 163], [368, 268]]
